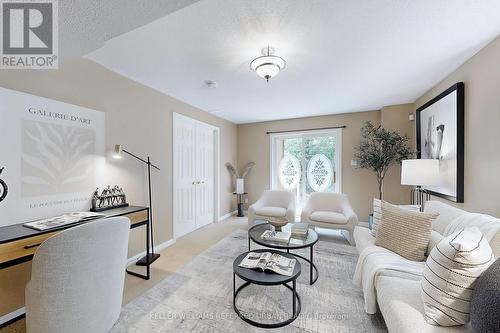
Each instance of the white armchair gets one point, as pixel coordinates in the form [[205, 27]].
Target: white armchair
[[332, 211], [272, 204], [77, 279]]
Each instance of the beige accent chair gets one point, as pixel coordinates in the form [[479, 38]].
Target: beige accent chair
[[331, 211], [272, 204], [77, 279]]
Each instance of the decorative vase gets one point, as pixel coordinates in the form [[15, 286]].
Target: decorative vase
[[240, 185], [277, 222]]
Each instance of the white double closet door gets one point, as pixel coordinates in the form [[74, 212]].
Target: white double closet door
[[194, 176]]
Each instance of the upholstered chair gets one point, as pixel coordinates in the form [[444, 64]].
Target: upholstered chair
[[332, 211], [272, 204], [77, 279]]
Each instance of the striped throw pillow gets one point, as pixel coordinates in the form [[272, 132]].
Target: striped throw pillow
[[377, 213], [450, 274]]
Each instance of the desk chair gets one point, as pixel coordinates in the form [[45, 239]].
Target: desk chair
[[77, 279]]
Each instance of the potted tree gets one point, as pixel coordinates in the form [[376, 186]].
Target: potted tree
[[379, 149]]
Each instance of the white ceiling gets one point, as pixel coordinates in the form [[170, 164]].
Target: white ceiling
[[342, 56], [84, 25]]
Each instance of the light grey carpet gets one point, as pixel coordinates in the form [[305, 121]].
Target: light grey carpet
[[198, 297]]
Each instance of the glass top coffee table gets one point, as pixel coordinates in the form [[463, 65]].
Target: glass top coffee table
[[295, 243]]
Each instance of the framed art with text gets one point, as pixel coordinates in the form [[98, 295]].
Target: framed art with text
[[440, 135], [52, 156]]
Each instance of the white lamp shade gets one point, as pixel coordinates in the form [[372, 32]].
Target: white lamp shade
[[421, 172]]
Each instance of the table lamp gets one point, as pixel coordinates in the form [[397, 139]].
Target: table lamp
[[418, 173]]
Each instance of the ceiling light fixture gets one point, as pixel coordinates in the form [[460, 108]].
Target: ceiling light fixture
[[268, 65]]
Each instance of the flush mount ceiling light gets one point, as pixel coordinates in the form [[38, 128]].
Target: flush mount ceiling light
[[268, 65]]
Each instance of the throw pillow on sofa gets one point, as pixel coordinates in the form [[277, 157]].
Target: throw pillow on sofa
[[450, 275], [377, 213], [405, 232], [485, 303]]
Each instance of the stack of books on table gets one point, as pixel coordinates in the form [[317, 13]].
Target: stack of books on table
[[299, 230]]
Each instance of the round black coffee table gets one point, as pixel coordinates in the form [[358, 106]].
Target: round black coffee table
[[258, 277], [255, 233]]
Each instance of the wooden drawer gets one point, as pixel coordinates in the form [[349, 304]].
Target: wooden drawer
[[23, 247], [137, 217]]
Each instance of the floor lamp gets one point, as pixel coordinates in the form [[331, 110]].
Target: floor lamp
[[418, 173], [144, 261]]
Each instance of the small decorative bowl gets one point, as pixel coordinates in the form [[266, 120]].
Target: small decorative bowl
[[277, 222]]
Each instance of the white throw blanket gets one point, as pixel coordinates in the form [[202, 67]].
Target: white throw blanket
[[375, 261]]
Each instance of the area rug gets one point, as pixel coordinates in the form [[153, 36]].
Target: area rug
[[198, 297]]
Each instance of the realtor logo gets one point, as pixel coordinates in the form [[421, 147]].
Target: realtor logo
[[29, 34]]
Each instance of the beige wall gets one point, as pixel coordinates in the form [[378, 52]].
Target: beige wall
[[481, 76], [395, 118], [359, 184], [138, 117]]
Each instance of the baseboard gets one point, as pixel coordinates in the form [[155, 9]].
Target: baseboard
[[228, 215], [11, 317], [158, 248]]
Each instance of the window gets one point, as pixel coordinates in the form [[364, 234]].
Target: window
[[306, 162]]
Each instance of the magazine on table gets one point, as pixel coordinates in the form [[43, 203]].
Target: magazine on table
[[276, 236], [269, 261], [62, 220]]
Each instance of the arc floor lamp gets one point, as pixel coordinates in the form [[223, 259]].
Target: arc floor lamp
[[148, 259]]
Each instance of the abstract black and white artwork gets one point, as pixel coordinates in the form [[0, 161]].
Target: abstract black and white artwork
[[53, 156], [440, 135]]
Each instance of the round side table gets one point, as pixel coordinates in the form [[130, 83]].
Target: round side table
[[255, 233], [257, 277]]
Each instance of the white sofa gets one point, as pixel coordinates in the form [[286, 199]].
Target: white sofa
[[272, 204], [392, 283], [332, 211]]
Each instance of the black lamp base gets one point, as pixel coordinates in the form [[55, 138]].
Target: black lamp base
[[148, 259]]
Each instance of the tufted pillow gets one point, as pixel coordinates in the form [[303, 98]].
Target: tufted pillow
[[405, 232], [450, 275]]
